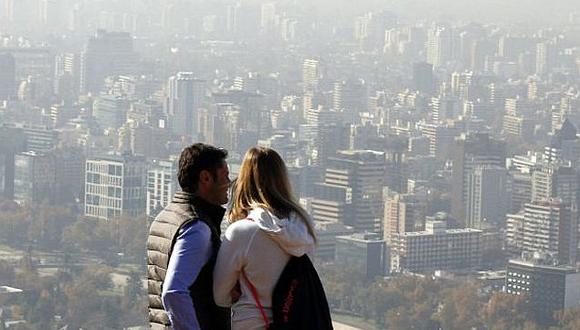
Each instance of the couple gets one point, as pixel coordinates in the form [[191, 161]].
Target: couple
[[190, 276]]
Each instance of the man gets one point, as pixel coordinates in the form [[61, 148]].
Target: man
[[183, 243]]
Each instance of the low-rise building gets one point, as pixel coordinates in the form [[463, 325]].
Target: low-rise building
[[436, 248]]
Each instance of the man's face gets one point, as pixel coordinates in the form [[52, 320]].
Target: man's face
[[218, 189]]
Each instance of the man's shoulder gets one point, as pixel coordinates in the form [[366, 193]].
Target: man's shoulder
[[196, 228]]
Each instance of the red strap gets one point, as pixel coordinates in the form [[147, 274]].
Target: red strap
[[257, 299], [256, 296]]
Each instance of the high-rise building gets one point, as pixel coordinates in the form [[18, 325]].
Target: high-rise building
[[439, 45], [34, 177], [39, 138], [67, 76], [106, 54], [326, 235], [363, 171], [548, 285], [564, 145], [110, 111], [403, 213], [7, 76], [115, 186], [471, 151], [441, 138], [186, 95], [488, 196], [436, 248], [443, 108], [161, 185], [423, 79], [310, 74], [521, 189], [364, 251], [331, 203], [12, 141], [545, 57], [70, 175], [519, 126], [547, 226], [555, 180]]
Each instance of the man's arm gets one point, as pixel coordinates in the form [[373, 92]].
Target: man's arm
[[191, 252]]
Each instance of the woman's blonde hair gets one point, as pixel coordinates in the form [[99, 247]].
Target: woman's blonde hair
[[263, 182]]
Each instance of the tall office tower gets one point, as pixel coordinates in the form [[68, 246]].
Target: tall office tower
[[403, 213], [106, 54], [488, 196], [363, 171], [471, 151], [423, 79], [545, 57], [547, 226], [549, 286], [310, 74], [161, 185], [439, 45], [186, 95], [34, 177], [7, 76], [115, 186]]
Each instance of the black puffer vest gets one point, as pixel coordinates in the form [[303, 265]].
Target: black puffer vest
[[163, 233]]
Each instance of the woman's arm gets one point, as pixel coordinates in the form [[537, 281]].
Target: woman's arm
[[231, 259]]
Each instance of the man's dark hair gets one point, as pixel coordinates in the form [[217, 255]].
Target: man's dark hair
[[196, 158]]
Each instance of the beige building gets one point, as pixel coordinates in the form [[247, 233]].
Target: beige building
[[436, 248]]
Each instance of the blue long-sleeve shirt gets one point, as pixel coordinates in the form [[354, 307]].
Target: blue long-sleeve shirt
[[192, 250]]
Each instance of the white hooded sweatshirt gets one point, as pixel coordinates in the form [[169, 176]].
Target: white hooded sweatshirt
[[260, 247]]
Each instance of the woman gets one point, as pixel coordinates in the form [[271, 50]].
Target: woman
[[268, 227]]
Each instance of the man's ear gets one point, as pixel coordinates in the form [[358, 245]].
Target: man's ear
[[205, 177]]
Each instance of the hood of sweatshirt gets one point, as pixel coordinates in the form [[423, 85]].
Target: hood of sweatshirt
[[290, 233]]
